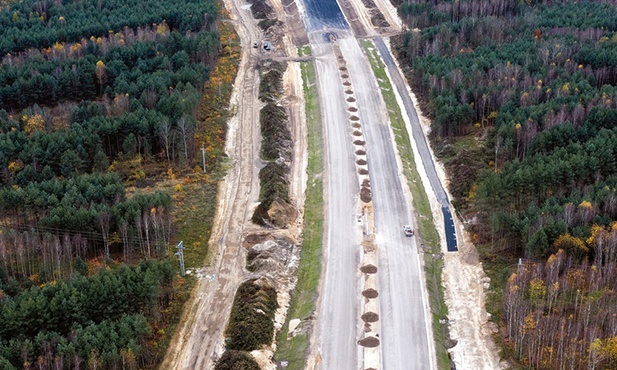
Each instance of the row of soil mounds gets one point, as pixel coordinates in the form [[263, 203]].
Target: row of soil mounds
[[275, 208]]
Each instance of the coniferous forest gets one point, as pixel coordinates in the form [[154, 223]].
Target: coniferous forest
[[523, 99], [97, 100]]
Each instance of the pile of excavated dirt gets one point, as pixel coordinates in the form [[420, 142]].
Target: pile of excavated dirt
[[365, 194], [368, 269], [370, 317], [271, 257], [369, 342], [370, 293], [281, 213]]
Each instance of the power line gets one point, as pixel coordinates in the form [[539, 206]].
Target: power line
[[89, 235]]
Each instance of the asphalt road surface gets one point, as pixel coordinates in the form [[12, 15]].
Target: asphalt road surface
[[406, 339], [404, 332], [421, 142], [338, 314]]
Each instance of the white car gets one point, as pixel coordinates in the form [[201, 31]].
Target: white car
[[408, 230]]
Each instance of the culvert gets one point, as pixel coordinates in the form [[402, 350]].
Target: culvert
[[370, 317], [368, 269], [370, 293], [369, 342]]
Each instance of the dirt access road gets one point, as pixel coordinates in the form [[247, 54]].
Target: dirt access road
[[199, 340]]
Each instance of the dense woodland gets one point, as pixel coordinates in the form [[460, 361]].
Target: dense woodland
[[523, 99], [98, 100]]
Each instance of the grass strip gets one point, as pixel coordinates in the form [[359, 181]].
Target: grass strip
[[426, 226], [293, 350]]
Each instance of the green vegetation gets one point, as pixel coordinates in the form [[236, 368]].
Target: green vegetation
[[135, 117], [74, 321], [102, 111], [303, 298], [531, 86], [30, 24], [251, 324], [426, 226]]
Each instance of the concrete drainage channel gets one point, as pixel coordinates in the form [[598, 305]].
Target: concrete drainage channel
[[369, 305]]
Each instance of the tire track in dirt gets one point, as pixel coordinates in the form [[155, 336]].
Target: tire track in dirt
[[200, 339]]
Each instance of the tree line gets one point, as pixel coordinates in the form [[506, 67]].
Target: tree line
[[86, 322], [95, 96], [523, 101], [42, 23]]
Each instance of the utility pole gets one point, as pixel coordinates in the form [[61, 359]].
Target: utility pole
[[203, 156], [180, 253]]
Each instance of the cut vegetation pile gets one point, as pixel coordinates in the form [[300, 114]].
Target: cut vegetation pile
[[274, 207], [251, 324], [262, 11], [236, 360]]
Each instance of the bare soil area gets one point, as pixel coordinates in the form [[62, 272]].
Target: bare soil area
[[199, 341]]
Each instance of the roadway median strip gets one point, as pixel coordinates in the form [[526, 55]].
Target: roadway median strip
[[369, 304]]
